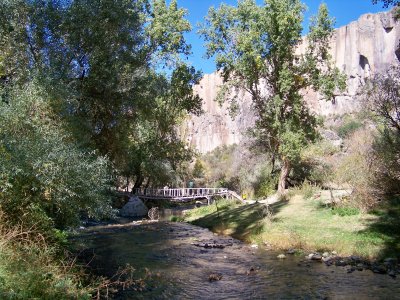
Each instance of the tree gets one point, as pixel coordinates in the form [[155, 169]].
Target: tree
[[387, 3], [104, 72], [382, 98], [256, 50], [46, 180]]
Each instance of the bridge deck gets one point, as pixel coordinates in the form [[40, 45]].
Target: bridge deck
[[182, 194]]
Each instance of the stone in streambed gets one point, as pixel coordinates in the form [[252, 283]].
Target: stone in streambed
[[291, 251], [325, 255], [281, 256], [214, 277], [134, 208], [314, 256]]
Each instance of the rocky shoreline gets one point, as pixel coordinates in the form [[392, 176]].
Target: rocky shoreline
[[389, 266]]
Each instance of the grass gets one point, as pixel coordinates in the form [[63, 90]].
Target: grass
[[304, 224], [32, 269]]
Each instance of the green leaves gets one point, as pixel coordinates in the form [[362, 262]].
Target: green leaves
[[42, 166], [256, 50], [167, 25]]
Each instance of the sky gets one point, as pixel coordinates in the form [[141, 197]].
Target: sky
[[344, 11]]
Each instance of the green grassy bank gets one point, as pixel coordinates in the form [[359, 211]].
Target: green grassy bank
[[306, 224]]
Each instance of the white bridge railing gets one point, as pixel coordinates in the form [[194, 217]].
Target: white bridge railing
[[179, 193]]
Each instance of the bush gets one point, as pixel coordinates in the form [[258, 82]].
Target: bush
[[266, 184], [29, 269], [345, 211], [46, 180], [357, 170], [308, 190], [348, 127]]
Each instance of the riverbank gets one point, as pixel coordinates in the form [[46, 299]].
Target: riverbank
[[305, 224], [182, 261]]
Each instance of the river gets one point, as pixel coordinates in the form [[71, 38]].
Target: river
[[173, 252]]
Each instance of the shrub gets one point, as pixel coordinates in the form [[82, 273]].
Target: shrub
[[356, 170], [266, 183], [308, 190], [348, 127], [46, 179], [345, 211], [29, 269]]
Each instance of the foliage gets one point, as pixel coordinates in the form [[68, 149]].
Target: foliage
[[28, 269], [198, 169], [387, 3], [240, 168], [383, 100], [255, 49], [45, 177], [356, 169], [345, 211], [266, 183], [114, 99], [308, 190], [348, 127], [315, 164]]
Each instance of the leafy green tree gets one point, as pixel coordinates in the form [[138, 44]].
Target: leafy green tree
[[45, 179], [101, 62], [256, 49]]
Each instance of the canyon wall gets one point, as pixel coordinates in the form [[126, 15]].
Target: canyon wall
[[364, 47]]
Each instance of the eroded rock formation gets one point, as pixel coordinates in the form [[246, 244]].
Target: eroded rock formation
[[364, 47]]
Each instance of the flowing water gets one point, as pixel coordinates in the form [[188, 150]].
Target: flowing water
[[183, 268]]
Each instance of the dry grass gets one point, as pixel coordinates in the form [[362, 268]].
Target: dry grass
[[30, 269]]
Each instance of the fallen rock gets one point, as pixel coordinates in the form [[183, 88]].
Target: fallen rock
[[379, 269], [134, 208], [360, 267], [251, 271], [214, 277], [291, 251], [392, 274], [315, 256]]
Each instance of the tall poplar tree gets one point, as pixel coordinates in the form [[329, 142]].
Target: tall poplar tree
[[256, 49]]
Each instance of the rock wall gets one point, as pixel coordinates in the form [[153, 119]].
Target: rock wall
[[364, 47]]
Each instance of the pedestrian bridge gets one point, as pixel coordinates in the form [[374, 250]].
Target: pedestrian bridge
[[185, 194]]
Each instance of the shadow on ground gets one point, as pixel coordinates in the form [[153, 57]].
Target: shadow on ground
[[240, 222], [387, 227]]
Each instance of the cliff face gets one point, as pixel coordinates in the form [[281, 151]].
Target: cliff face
[[364, 47]]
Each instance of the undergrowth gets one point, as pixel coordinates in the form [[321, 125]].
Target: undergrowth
[[30, 268]]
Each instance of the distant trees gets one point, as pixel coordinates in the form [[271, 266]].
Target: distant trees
[[256, 50]]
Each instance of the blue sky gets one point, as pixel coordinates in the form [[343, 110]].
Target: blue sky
[[344, 11]]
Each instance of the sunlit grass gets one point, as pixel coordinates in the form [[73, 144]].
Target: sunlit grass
[[307, 224]]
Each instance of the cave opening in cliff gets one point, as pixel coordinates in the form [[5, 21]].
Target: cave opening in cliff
[[364, 64], [397, 52]]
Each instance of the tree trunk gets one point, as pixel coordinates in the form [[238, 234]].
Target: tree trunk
[[285, 169], [138, 182], [148, 183]]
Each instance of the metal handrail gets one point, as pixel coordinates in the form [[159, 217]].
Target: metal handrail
[[178, 192]]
